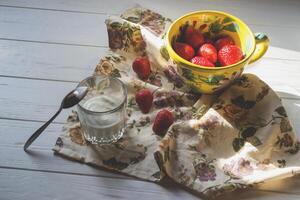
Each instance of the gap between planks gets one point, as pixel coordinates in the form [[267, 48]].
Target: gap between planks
[[41, 79], [59, 10], [58, 43], [69, 173], [29, 120]]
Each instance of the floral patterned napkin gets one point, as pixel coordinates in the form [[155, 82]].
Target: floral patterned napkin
[[217, 144]]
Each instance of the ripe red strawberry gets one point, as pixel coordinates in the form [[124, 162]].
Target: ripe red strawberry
[[144, 99], [202, 61], [163, 120], [229, 55], [193, 37], [184, 50], [141, 66], [223, 42], [208, 51]]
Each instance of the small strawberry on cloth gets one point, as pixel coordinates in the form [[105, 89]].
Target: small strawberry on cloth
[[209, 143]]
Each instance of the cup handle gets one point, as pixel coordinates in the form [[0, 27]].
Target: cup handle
[[261, 46]]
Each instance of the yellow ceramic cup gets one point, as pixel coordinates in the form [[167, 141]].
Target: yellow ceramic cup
[[207, 79]]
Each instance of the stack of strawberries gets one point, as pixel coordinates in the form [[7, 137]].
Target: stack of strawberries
[[194, 47]]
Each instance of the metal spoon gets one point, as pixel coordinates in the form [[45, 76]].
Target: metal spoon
[[73, 98]]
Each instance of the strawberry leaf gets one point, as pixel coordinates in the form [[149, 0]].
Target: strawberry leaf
[[230, 27], [215, 27], [226, 20]]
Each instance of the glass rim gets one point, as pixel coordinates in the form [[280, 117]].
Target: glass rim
[[108, 111]]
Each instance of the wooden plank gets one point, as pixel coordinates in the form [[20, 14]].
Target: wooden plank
[[43, 26], [282, 53], [74, 63], [276, 33], [21, 184], [48, 61], [96, 7], [14, 133], [44, 161], [281, 75], [32, 99], [89, 29], [265, 13]]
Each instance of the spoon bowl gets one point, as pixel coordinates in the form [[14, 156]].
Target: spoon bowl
[[74, 97], [70, 100]]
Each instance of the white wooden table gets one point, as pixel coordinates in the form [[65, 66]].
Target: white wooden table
[[46, 47]]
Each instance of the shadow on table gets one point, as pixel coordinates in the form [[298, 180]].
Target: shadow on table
[[174, 187], [279, 188]]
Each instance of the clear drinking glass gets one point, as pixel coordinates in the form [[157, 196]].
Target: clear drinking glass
[[102, 111]]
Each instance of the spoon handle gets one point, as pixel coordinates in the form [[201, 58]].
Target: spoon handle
[[38, 132]]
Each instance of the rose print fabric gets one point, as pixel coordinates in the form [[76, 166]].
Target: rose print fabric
[[217, 144]]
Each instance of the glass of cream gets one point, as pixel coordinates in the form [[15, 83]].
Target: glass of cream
[[102, 112]]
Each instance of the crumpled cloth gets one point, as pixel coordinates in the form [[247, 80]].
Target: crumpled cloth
[[217, 144]]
